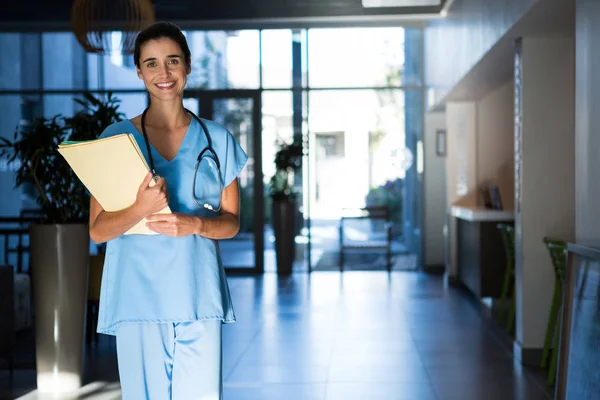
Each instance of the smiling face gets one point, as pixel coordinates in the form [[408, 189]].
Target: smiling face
[[163, 69]]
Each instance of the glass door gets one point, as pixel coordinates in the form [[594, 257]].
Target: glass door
[[358, 159], [239, 112]]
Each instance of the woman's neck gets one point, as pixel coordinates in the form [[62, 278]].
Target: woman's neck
[[167, 115]]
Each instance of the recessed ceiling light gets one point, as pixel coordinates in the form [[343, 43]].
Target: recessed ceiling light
[[400, 3]]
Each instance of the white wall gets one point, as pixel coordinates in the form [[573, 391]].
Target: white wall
[[587, 123], [480, 152], [461, 178], [455, 44], [547, 204], [495, 142], [434, 192]]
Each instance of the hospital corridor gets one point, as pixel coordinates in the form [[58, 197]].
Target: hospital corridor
[[299, 200]]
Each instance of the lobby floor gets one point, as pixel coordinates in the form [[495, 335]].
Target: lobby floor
[[350, 336]]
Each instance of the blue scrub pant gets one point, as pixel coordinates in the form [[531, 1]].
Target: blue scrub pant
[[172, 361]]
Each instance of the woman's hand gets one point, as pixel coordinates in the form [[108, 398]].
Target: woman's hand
[[175, 224], [224, 226], [151, 199]]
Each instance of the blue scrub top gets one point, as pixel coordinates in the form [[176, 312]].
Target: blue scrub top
[[161, 279]]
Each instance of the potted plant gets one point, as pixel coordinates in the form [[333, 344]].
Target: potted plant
[[288, 160], [387, 195], [59, 242]]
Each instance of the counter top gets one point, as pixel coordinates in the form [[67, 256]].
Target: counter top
[[480, 214]]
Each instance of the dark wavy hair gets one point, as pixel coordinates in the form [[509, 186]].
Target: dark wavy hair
[[161, 30]]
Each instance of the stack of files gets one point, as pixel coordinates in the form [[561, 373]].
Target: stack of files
[[112, 169]]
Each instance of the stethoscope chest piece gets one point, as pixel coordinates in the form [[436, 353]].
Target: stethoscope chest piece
[[207, 153]]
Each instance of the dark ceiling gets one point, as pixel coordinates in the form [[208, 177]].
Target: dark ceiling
[[41, 15]]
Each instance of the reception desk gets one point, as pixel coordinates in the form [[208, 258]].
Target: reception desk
[[481, 256]]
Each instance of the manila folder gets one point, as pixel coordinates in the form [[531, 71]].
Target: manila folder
[[112, 169]]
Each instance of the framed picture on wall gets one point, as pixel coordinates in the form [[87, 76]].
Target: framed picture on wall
[[495, 199], [487, 199], [440, 143], [491, 197]]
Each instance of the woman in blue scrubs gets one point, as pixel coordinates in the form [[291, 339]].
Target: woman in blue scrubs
[[165, 296]]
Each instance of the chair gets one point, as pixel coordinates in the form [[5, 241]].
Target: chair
[[14, 229], [17, 227], [558, 254], [369, 213], [508, 287], [14, 232], [7, 314]]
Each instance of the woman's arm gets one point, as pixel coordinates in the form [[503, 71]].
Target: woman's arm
[[105, 226], [226, 225]]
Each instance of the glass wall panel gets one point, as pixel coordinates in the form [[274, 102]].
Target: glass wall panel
[[17, 113], [277, 58], [31, 74], [11, 106], [236, 116], [224, 59], [413, 57], [14, 108], [413, 188], [117, 75], [220, 60], [94, 77], [357, 159], [113, 71], [355, 57], [60, 104], [301, 36], [132, 104], [10, 67], [192, 104], [364, 143], [64, 62], [277, 125]]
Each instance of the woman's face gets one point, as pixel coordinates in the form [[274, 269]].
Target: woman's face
[[163, 68]]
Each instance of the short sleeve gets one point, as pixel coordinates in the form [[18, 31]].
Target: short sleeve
[[235, 160], [106, 133], [112, 130]]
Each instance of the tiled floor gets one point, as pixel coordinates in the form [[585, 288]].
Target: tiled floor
[[351, 336]]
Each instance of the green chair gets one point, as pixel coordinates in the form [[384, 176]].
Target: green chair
[[558, 254], [508, 237]]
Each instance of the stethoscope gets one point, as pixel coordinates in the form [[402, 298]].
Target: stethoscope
[[207, 149]]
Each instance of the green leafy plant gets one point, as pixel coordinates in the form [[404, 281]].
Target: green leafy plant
[[388, 195], [288, 160], [61, 196]]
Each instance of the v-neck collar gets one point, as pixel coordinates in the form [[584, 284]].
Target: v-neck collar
[[153, 149]]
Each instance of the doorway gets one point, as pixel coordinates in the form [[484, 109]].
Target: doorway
[[239, 111]]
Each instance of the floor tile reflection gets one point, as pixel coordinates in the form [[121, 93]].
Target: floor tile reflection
[[331, 336]]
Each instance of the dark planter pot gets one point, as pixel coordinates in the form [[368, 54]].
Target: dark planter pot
[[59, 264], [283, 226]]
